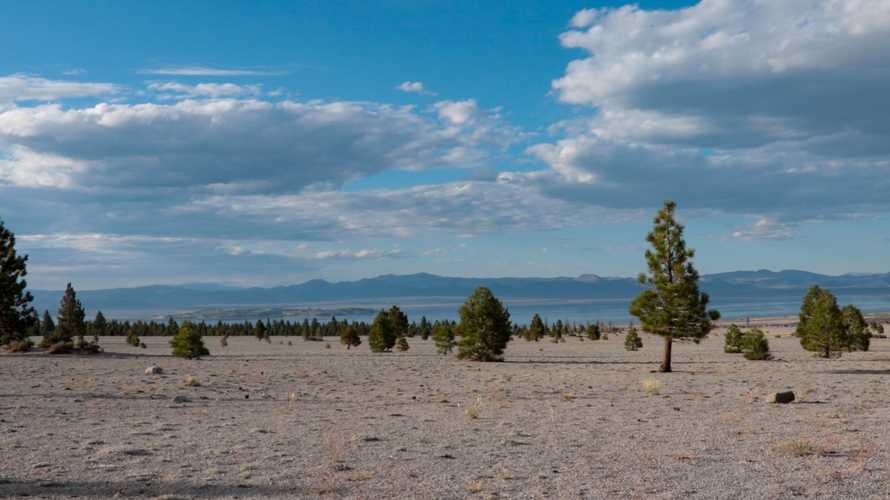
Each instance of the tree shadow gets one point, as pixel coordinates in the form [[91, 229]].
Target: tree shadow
[[853, 371], [143, 489]]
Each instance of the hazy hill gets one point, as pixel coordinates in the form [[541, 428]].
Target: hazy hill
[[735, 285]]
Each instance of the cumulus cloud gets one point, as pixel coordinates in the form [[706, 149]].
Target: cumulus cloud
[[457, 112], [414, 88], [229, 144], [21, 87], [752, 106]]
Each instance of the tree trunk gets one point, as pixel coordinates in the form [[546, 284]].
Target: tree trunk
[[666, 363]]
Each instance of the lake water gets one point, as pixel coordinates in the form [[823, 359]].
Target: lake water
[[579, 311]]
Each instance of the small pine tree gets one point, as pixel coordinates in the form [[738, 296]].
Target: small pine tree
[[100, 325], [593, 331], [349, 337], [382, 337], [260, 331], [484, 326], [188, 343], [821, 325], [632, 341], [536, 329], [733, 340], [443, 336], [858, 334], [133, 339], [402, 344], [756, 346]]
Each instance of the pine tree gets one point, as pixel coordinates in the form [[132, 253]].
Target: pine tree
[[821, 325], [47, 329], [673, 307], [260, 330], [16, 314], [536, 329], [593, 331], [443, 336], [858, 334], [402, 344], [71, 327], [732, 342], [382, 337], [188, 343], [100, 325], [484, 327], [349, 337], [632, 341], [426, 329], [755, 345]]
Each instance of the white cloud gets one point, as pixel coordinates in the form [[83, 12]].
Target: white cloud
[[21, 87], [365, 254], [210, 90], [758, 107], [207, 71], [457, 112], [414, 88], [764, 229], [231, 145]]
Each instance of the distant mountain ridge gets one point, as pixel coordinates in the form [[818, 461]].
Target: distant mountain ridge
[[735, 285]]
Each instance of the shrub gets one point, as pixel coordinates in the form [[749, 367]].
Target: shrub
[[349, 337], [593, 331], [651, 386], [443, 337], [19, 345], [61, 348], [733, 340], [192, 381], [799, 448], [632, 341], [133, 339], [756, 346], [402, 344], [188, 343], [474, 410]]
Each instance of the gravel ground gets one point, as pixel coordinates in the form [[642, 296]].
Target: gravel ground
[[568, 420]]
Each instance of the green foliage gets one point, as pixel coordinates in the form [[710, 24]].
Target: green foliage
[[632, 341], [877, 328], [71, 324], [188, 343], [484, 327], [16, 314], [443, 337], [858, 334], [821, 326], [733, 340], [402, 344], [425, 328], [593, 331], [259, 331], [349, 337], [387, 327], [133, 339], [755, 345], [672, 307], [99, 326], [537, 329]]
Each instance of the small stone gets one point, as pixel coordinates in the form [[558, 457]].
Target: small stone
[[154, 370], [182, 399], [781, 397]]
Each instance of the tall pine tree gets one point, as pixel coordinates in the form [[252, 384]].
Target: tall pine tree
[[71, 319], [821, 324], [16, 314], [672, 307]]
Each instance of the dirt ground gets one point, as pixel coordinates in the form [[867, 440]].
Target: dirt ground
[[570, 420]]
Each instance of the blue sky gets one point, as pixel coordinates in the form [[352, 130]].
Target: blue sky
[[265, 143]]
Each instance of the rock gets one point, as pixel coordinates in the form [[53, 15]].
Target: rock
[[781, 397], [154, 370], [181, 399]]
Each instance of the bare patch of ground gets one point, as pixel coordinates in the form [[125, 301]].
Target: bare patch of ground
[[570, 420]]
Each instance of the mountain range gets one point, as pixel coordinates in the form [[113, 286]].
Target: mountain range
[[737, 285]]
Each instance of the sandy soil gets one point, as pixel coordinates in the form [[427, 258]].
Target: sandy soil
[[568, 420]]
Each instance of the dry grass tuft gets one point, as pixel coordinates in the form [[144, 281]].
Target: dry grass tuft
[[569, 396], [475, 487], [192, 381], [474, 410], [799, 448], [651, 386]]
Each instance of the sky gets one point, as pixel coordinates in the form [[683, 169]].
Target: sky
[[268, 143]]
